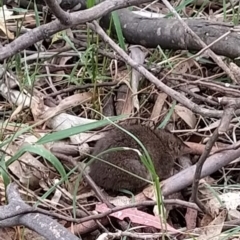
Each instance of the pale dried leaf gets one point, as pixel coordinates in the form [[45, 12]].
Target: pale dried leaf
[[120, 201], [137, 55], [57, 195], [214, 229], [87, 137], [65, 121], [205, 192], [9, 34], [68, 102], [147, 14], [14, 96], [5, 13], [157, 109], [187, 115]]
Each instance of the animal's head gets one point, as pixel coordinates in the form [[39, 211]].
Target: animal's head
[[174, 144]]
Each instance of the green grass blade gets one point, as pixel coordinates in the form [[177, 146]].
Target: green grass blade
[[118, 29], [41, 151], [76, 130]]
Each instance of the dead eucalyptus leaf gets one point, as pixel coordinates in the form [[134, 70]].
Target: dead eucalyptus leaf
[[186, 115], [213, 230], [157, 109]]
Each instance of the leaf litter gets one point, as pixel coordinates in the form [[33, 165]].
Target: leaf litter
[[134, 96]]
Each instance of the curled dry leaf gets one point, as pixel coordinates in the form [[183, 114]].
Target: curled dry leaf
[[187, 115]]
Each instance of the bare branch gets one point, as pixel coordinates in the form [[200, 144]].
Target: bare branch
[[11, 215]]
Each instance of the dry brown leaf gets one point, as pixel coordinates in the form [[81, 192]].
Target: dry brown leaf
[[191, 218], [212, 204], [214, 229], [158, 106], [137, 217], [37, 107], [187, 115], [124, 100]]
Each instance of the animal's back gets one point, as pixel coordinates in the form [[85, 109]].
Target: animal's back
[[112, 178]]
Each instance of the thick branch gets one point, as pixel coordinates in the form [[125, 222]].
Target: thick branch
[[45, 31], [10, 215]]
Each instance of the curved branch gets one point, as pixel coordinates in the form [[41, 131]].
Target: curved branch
[[55, 26], [12, 215]]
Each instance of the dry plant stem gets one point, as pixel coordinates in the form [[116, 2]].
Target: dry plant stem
[[218, 87], [229, 101], [198, 40], [174, 94], [198, 171], [39, 223], [199, 97], [75, 18]]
